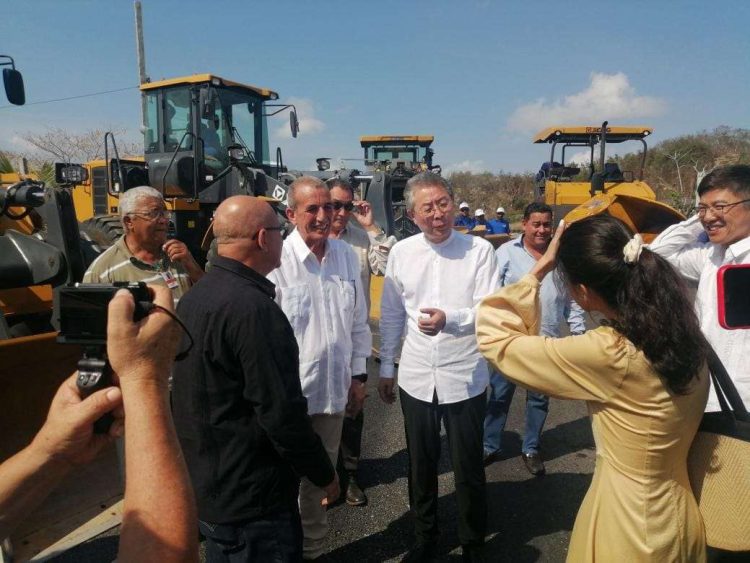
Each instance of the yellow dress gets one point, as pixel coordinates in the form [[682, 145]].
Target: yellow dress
[[640, 506]]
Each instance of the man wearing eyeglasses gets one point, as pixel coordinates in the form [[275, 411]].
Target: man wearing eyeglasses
[[723, 214], [319, 288], [433, 284], [143, 253], [353, 222]]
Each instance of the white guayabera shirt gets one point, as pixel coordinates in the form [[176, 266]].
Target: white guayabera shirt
[[699, 262], [452, 276], [326, 306]]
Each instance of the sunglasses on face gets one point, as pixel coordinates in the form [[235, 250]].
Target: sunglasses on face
[[338, 205]]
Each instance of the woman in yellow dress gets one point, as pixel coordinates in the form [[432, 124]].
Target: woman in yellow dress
[[643, 377]]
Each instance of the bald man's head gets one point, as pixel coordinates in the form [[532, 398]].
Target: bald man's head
[[240, 217], [246, 230]]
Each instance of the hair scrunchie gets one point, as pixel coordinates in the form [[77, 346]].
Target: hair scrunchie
[[632, 250]]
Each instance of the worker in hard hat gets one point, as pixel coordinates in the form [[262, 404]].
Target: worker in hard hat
[[481, 221], [499, 225], [464, 218]]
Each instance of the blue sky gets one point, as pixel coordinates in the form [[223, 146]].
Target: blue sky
[[481, 76]]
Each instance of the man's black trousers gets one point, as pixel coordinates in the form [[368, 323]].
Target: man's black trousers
[[463, 422]]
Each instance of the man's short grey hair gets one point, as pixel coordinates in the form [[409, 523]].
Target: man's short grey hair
[[129, 199], [298, 183], [424, 180]]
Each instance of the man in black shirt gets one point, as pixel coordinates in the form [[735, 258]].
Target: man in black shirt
[[238, 405]]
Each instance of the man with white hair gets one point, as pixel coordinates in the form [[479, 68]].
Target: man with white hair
[[143, 253]]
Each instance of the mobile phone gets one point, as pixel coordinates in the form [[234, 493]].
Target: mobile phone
[[734, 296]]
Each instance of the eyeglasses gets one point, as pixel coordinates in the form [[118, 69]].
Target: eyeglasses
[[338, 205], [444, 205], [281, 228], [153, 214], [719, 209]]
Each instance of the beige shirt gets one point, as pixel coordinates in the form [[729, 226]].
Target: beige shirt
[[372, 252], [117, 264]]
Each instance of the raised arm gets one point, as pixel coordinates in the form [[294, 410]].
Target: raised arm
[[680, 246], [160, 520], [587, 367]]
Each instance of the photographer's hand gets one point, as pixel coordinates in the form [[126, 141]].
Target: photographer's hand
[[141, 351], [159, 520], [67, 439]]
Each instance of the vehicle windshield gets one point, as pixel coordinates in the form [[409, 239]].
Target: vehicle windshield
[[395, 153], [237, 118]]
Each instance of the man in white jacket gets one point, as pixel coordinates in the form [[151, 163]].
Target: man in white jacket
[[723, 214]]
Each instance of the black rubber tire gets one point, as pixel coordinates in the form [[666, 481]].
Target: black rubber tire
[[98, 234]]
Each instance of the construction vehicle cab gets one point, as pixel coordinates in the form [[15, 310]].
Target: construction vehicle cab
[[205, 139], [390, 161], [573, 194], [390, 152]]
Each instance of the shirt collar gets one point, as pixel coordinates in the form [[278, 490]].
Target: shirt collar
[[443, 244], [739, 248], [163, 262], [298, 246], [238, 268]]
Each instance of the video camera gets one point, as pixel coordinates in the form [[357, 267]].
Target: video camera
[[82, 310], [82, 314]]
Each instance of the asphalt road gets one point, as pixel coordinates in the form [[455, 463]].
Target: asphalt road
[[530, 518]]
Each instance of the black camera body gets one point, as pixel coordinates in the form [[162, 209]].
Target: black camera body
[[82, 314], [82, 310]]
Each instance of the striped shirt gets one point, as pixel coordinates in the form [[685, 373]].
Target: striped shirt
[[117, 264]]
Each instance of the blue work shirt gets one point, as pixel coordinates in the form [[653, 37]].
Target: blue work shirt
[[515, 262], [498, 227], [462, 221]]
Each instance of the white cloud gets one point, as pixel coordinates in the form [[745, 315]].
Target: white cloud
[[475, 166], [608, 96], [19, 144], [308, 123], [582, 158]]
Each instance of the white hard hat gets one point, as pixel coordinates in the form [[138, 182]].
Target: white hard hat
[[463, 205], [500, 210], [479, 212]]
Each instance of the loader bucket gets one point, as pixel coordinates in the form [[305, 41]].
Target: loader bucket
[[645, 216]]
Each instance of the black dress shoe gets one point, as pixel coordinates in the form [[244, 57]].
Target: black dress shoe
[[420, 553], [355, 496], [534, 463]]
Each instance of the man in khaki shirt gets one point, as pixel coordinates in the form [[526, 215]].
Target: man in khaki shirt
[[144, 253]]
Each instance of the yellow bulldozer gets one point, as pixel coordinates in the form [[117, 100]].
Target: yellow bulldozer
[[603, 188]]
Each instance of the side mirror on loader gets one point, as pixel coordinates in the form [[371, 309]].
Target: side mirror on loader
[[293, 122]]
